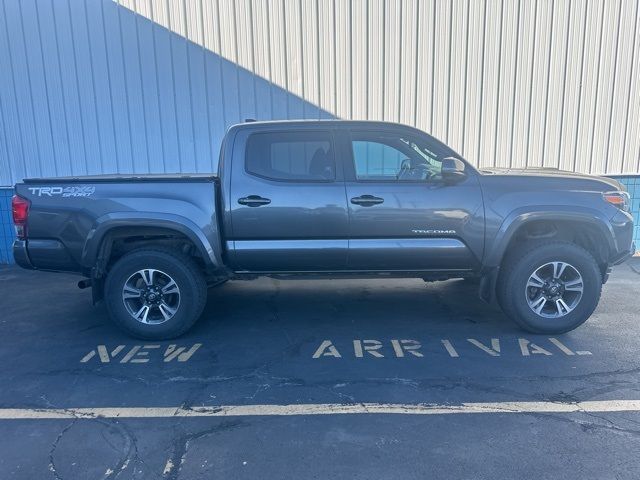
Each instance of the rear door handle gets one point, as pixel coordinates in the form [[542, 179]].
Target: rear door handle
[[254, 201], [367, 200]]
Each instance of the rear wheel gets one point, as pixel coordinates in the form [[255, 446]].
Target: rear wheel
[[550, 287], [155, 294]]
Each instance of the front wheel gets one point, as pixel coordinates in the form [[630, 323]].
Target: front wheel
[[550, 287], [155, 294]]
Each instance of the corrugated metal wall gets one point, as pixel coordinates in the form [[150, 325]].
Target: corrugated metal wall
[[150, 85]]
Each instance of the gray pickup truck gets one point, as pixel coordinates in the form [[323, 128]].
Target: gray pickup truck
[[328, 198]]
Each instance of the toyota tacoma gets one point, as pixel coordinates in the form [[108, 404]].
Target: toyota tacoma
[[328, 198]]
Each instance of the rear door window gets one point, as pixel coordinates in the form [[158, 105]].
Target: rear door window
[[291, 156]]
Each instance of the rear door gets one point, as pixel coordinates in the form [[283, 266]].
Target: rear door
[[402, 215], [287, 202]]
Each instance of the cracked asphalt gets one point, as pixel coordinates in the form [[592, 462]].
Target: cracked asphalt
[[317, 342]]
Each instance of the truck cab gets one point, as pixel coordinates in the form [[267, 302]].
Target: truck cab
[[347, 197]]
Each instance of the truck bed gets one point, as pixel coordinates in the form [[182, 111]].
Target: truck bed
[[70, 216], [120, 177]]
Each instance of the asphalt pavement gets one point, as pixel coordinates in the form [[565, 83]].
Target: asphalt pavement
[[317, 379]]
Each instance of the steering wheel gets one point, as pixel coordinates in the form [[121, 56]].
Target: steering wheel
[[416, 172], [405, 168]]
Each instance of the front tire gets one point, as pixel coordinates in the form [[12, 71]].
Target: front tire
[[549, 287], [155, 293]]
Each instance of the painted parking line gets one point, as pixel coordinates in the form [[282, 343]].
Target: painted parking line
[[393, 348], [399, 348], [139, 353], [595, 406]]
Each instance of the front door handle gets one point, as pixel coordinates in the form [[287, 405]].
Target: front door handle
[[254, 201], [367, 200]]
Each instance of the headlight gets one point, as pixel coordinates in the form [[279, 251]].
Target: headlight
[[618, 199]]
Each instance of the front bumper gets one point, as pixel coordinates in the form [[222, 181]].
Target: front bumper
[[624, 256], [617, 260], [622, 230]]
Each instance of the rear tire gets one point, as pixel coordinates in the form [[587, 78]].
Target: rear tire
[[155, 293], [532, 294], [471, 280]]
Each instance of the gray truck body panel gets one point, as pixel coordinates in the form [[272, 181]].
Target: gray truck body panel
[[315, 227], [66, 232]]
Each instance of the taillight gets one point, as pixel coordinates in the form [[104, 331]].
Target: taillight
[[20, 209], [618, 199]]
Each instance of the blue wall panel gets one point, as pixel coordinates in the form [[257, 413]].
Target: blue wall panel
[[6, 228], [632, 185]]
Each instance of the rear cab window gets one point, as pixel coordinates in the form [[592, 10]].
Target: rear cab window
[[302, 156]]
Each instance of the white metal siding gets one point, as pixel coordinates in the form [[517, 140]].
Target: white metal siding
[[551, 83], [151, 85]]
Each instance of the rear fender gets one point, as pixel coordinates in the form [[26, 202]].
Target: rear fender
[[182, 225]]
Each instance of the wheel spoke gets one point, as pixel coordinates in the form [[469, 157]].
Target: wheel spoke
[[166, 311], [170, 287], [535, 281], [130, 292], [574, 285], [147, 276], [539, 304], [142, 314], [558, 269], [562, 307]]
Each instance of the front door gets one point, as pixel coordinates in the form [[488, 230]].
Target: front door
[[288, 205], [402, 215]]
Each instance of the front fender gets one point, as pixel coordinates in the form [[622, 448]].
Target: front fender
[[180, 224], [524, 215]]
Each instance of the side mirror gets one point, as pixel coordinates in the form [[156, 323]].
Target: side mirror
[[453, 170]]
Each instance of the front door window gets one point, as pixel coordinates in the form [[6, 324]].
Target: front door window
[[382, 158]]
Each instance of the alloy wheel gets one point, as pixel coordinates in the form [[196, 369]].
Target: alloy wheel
[[151, 296], [554, 289]]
